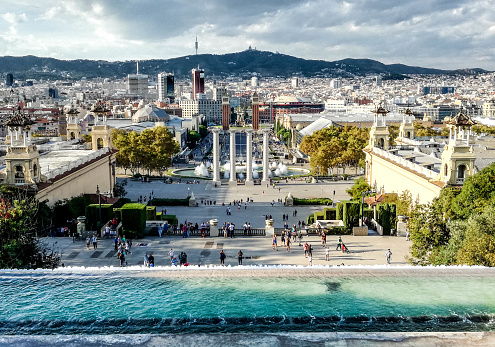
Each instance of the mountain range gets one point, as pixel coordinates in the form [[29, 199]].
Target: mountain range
[[242, 64]]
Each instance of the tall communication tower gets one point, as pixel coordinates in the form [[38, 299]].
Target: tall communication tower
[[196, 44]]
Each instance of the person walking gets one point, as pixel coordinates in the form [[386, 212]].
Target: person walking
[[288, 244], [339, 243], [274, 242], [239, 257], [171, 254], [87, 242], [388, 256], [222, 257], [95, 241], [327, 254]]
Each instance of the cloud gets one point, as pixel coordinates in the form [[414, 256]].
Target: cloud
[[433, 33]]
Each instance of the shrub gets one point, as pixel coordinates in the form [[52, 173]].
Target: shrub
[[339, 211], [386, 215], [351, 214], [311, 219], [133, 220], [330, 213], [151, 213], [319, 215], [312, 201], [93, 215], [170, 218], [336, 231]]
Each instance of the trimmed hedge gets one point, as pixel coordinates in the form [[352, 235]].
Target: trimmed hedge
[[169, 202], [93, 217], [368, 213], [312, 201], [319, 215], [133, 220], [339, 211], [387, 217], [351, 214], [330, 213], [151, 213], [170, 218], [311, 219]]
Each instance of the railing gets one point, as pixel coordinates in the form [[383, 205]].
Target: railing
[[241, 232], [404, 162], [171, 232], [378, 227]]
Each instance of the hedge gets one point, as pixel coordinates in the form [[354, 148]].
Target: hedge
[[169, 202], [387, 217], [170, 218], [336, 231], [312, 201], [339, 211], [311, 219], [330, 213], [319, 215], [151, 213], [351, 212], [93, 216], [133, 220]]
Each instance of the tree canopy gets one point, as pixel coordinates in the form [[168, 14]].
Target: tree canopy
[[150, 150], [458, 227], [335, 147]]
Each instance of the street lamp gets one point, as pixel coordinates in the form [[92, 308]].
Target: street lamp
[[187, 191], [99, 206]]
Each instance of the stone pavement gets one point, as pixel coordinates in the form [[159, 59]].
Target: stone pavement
[[365, 250]]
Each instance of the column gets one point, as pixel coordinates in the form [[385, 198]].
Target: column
[[249, 157], [266, 169], [233, 178], [216, 157]]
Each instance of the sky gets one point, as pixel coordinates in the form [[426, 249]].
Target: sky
[[447, 34]]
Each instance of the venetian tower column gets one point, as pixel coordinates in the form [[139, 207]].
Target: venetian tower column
[[266, 169], [216, 158], [232, 179], [249, 158]]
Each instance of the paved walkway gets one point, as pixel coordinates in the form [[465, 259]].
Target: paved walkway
[[365, 250]]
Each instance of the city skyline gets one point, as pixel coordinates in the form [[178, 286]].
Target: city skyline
[[437, 34]]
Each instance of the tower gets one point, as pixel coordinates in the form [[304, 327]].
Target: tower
[[100, 134], [379, 134], [255, 108], [406, 128], [22, 159], [73, 126], [458, 157], [196, 44], [198, 82], [225, 112], [9, 80], [166, 87]]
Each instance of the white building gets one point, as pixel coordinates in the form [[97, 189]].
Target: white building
[[137, 84]]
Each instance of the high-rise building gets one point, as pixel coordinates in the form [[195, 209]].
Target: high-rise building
[[137, 84], [219, 91], [198, 82], [255, 81], [255, 107], [166, 87], [225, 112], [9, 80], [336, 83], [295, 82]]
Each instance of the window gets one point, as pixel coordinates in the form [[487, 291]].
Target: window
[[461, 171]]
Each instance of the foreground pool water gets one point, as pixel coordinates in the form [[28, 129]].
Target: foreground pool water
[[115, 303]]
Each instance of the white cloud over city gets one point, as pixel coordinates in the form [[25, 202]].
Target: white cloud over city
[[435, 33]]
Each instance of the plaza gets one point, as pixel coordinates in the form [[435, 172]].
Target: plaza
[[257, 250]]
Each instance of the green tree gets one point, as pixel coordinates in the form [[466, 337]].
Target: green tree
[[20, 248], [360, 186]]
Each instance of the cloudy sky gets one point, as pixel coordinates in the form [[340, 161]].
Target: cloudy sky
[[430, 33]]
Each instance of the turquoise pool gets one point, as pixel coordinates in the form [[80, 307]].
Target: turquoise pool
[[114, 303]]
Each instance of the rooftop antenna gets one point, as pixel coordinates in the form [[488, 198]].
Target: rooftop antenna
[[196, 44]]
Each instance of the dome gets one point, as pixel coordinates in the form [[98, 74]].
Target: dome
[[150, 113]]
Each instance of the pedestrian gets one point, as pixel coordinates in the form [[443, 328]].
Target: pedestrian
[[95, 241], [239, 257], [171, 254], [146, 260], [121, 257], [339, 243], [160, 230], [408, 236], [306, 249], [151, 260], [274, 242], [310, 260], [327, 253], [288, 244], [88, 240], [388, 256], [222, 257]]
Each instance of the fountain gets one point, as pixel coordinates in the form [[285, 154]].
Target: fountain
[[201, 170]]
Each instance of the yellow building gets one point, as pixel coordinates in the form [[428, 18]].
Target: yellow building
[[65, 169], [422, 167]]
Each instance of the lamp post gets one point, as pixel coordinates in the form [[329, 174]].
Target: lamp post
[[187, 191], [99, 207]]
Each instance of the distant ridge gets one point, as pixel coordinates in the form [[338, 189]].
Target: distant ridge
[[244, 64]]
